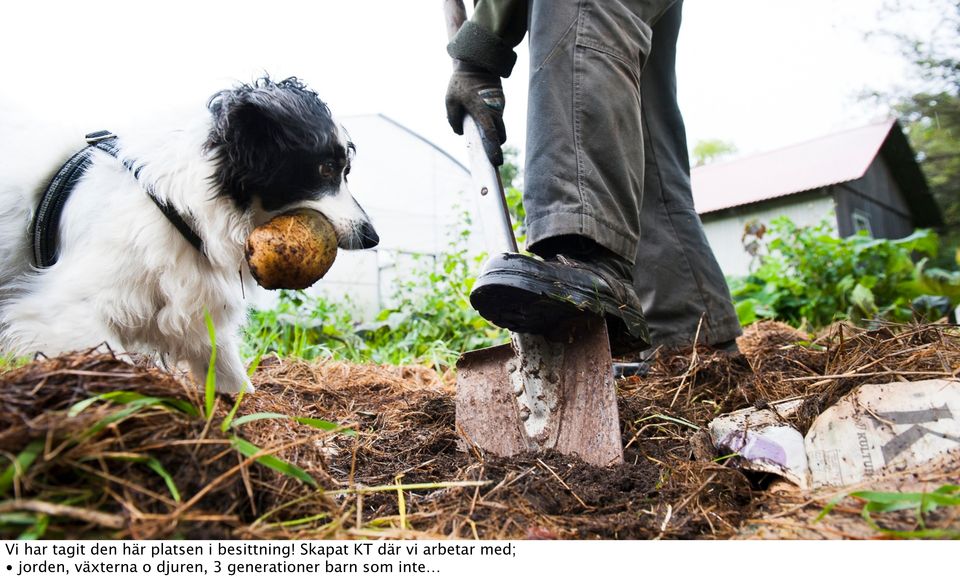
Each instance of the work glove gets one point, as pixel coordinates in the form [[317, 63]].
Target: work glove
[[474, 91]]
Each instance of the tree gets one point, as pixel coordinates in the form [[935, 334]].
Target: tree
[[930, 109], [711, 150], [933, 126]]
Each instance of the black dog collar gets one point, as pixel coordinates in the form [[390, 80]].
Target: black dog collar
[[46, 222]]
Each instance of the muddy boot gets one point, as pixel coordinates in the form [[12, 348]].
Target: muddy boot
[[532, 296]]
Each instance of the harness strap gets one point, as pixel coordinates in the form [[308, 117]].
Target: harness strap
[[46, 221]]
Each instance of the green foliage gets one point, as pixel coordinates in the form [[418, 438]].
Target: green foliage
[[210, 385], [711, 150], [311, 422], [518, 214], [510, 170], [250, 450], [136, 399], [19, 465], [933, 127], [807, 276], [920, 503], [432, 321], [302, 326], [930, 107], [11, 362]]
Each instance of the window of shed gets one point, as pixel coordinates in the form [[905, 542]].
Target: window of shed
[[861, 221]]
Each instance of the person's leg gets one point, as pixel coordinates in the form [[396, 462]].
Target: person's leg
[[584, 173], [584, 155], [676, 274]]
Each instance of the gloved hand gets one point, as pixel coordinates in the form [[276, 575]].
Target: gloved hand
[[474, 91]]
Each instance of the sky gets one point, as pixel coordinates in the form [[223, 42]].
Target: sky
[[757, 73]]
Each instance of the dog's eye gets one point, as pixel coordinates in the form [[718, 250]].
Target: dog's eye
[[327, 169]]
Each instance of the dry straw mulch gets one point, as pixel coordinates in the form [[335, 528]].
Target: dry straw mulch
[[104, 483]]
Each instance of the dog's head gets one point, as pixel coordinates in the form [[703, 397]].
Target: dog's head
[[276, 144]]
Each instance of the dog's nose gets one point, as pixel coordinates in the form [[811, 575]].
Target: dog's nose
[[368, 236]]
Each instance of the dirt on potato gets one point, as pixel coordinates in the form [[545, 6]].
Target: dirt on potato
[[292, 250]]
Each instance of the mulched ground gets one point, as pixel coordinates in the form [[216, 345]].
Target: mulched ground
[[96, 474]]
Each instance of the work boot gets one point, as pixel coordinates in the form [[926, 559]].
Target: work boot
[[532, 296]]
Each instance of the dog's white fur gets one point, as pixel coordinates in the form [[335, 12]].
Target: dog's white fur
[[125, 276]]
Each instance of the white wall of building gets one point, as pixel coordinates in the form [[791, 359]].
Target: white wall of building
[[725, 232]]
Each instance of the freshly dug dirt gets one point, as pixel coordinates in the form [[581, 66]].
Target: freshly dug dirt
[[397, 468]]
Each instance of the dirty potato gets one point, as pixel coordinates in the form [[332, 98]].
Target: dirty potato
[[292, 250]]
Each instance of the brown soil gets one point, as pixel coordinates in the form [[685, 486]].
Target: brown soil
[[98, 481]]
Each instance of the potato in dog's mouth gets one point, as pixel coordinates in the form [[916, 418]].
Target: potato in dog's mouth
[[292, 250]]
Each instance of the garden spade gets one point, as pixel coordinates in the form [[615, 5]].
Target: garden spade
[[534, 393]]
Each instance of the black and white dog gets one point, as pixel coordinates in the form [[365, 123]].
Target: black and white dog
[[153, 232]]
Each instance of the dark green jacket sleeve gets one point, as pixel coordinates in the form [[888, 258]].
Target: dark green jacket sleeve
[[488, 38]]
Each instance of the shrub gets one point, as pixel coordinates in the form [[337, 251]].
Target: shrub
[[806, 275]]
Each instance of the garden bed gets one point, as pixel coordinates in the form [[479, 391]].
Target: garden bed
[[143, 461]]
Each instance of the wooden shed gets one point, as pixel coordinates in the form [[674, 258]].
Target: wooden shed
[[865, 178]]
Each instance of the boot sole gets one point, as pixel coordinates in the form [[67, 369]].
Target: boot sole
[[521, 302]]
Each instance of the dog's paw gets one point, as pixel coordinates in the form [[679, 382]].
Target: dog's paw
[[235, 385]]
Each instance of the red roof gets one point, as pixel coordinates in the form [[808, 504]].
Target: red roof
[[825, 161]]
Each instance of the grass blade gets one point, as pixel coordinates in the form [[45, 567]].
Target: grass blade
[[84, 404], [829, 507], [258, 416], [299, 521], [210, 387], [38, 529], [892, 501], [228, 421], [150, 461], [324, 425], [125, 397], [17, 518], [920, 502], [924, 534], [250, 450], [117, 416], [255, 364], [401, 503], [20, 464], [317, 423], [156, 466]]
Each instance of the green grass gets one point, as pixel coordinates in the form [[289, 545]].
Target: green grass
[[921, 503], [19, 465], [10, 362]]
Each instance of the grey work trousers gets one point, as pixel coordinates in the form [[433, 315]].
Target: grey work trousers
[[601, 165]]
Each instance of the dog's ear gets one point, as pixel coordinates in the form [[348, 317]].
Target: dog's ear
[[257, 129], [285, 115]]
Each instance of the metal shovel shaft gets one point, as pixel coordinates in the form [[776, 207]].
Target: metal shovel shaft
[[487, 186]]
